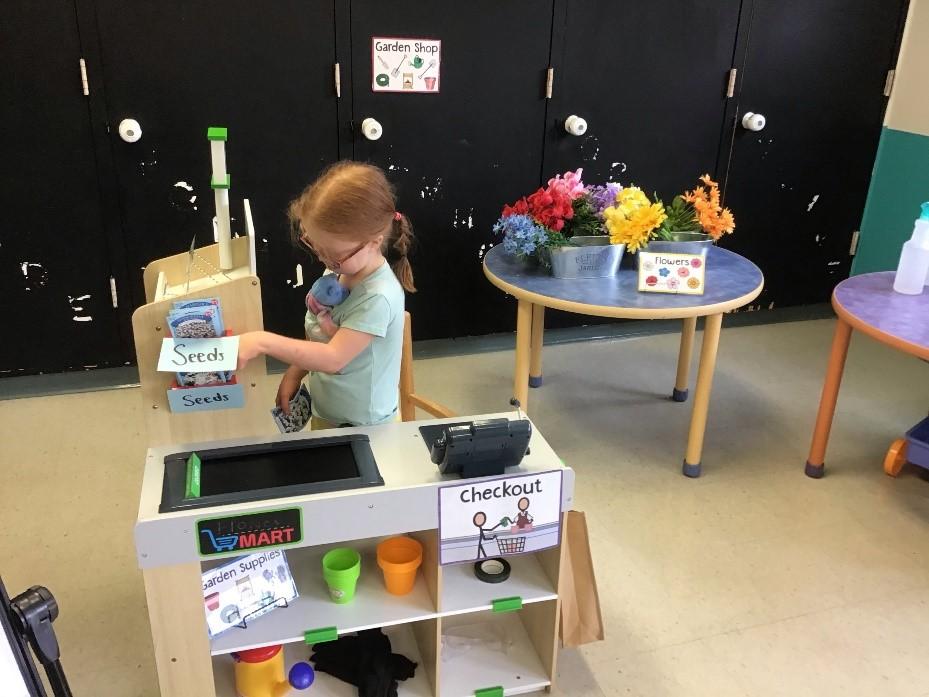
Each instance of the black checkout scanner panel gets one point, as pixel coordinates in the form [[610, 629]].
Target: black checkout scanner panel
[[304, 467], [271, 471]]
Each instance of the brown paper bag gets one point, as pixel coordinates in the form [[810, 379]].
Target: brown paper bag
[[581, 621]]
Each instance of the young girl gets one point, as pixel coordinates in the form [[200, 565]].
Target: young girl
[[348, 219]]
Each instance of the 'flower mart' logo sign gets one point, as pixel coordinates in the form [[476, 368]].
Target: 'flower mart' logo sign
[[250, 531]]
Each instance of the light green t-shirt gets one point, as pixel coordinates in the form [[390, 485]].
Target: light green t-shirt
[[366, 390]]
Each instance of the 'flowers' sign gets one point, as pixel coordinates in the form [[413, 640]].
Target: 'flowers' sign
[[661, 272]]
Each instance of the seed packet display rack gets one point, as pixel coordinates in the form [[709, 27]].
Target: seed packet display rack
[[468, 637], [190, 276]]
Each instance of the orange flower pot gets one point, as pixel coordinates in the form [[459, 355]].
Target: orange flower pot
[[399, 559]]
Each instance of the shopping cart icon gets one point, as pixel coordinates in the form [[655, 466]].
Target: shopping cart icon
[[511, 545], [223, 543]]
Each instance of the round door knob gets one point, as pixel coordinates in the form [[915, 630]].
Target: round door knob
[[575, 125], [753, 122], [371, 129], [130, 130]]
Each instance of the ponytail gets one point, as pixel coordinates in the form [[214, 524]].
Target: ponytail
[[400, 244]]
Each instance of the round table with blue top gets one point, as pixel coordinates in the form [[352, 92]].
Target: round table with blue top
[[731, 282]]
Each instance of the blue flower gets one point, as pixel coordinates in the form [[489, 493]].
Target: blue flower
[[522, 236], [664, 272]]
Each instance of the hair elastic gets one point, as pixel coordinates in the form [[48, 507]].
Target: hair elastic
[[398, 216]]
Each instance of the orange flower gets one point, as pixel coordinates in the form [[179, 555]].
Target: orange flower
[[715, 220]]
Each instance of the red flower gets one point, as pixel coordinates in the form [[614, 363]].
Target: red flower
[[550, 208], [521, 207]]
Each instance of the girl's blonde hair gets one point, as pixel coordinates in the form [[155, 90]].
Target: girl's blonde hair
[[357, 201]]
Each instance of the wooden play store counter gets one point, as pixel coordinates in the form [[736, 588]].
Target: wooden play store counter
[[309, 493]]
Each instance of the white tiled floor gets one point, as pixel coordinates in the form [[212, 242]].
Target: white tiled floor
[[752, 580]]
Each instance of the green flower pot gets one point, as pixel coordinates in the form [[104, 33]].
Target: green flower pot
[[341, 569]]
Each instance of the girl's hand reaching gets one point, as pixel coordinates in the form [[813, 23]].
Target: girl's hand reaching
[[290, 385], [250, 346], [332, 357]]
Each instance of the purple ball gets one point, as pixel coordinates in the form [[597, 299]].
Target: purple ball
[[301, 676]]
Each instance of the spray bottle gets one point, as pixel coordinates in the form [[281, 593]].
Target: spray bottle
[[913, 270]]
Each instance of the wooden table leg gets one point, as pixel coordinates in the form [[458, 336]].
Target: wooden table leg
[[182, 648], [683, 359], [692, 464], [523, 341], [535, 356], [815, 466]]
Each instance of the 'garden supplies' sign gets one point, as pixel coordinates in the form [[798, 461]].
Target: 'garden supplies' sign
[[245, 589], [405, 65], [660, 272], [496, 517]]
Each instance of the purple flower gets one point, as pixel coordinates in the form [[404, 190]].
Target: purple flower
[[603, 196]]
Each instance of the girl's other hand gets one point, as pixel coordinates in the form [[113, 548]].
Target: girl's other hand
[[290, 385], [326, 323], [313, 305]]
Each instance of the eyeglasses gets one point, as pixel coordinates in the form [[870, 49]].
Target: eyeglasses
[[334, 265]]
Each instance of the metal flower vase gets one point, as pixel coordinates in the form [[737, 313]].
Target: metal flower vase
[[590, 256], [682, 243]]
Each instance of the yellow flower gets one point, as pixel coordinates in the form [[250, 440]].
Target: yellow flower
[[630, 199], [651, 217], [633, 227]]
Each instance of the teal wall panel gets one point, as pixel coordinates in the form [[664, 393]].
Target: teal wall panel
[[899, 183]]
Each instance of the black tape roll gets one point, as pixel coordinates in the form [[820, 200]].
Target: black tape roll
[[492, 570]]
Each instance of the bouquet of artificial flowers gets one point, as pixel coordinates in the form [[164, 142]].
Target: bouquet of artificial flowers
[[553, 215]]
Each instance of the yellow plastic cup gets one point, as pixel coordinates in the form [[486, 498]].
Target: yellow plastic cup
[[399, 559]]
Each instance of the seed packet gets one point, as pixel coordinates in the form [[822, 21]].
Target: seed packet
[[198, 319], [195, 323], [300, 412], [203, 379], [201, 303]]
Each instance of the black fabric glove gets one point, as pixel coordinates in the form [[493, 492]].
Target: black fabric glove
[[364, 660]]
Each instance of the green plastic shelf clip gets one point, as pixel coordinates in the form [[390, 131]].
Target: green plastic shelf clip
[[489, 692], [320, 636], [217, 133], [507, 604], [221, 185]]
